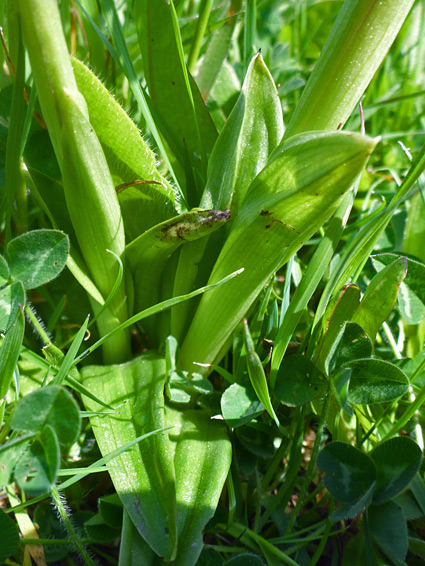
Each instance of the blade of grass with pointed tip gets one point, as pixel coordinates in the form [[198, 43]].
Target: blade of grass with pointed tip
[[10, 350], [287, 202], [71, 355]]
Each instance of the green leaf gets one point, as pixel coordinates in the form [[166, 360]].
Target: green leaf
[[257, 374], [4, 271], [245, 560], [375, 381], [147, 488], [351, 344], [388, 529], [148, 254], [37, 469], [203, 454], [351, 510], [129, 156], [9, 352], [181, 113], [111, 509], [380, 297], [298, 381], [12, 298], [37, 257], [348, 61], [97, 529], [286, 203], [240, 404], [339, 311], [349, 472], [9, 541], [411, 298], [49, 406], [251, 133], [397, 461], [10, 453]]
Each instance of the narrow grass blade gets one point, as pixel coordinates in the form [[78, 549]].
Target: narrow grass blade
[[10, 350], [257, 374], [71, 354]]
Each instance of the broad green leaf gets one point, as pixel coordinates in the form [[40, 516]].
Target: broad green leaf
[[411, 298], [380, 297], [339, 311], [240, 404], [349, 472], [348, 61], [181, 113], [9, 541], [397, 460], [37, 257], [4, 271], [37, 469], [351, 343], [12, 298], [375, 381], [388, 529], [251, 133], [257, 374], [286, 203], [134, 548], [147, 488], [9, 352], [298, 381], [203, 454], [129, 156], [53, 406]]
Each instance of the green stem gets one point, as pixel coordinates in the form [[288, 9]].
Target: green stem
[[201, 26], [249, 31], [75, 540], [312, 463]]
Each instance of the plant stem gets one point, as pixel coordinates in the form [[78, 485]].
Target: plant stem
[[201, 26], [75, 540]]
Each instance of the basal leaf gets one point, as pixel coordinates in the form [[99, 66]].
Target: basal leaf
[[349, 472], [203, 454], [286, 203], [375, 381], [397, 460], [53, 406], [240, 404], [298, 381], [147, 487], [37, 257]]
